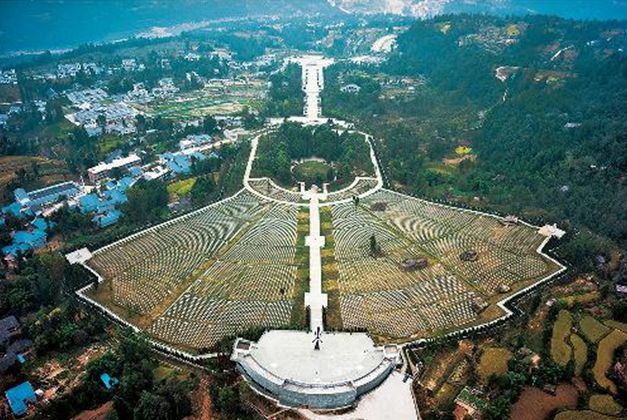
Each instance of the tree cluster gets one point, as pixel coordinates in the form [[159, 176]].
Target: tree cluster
[[348, 152]]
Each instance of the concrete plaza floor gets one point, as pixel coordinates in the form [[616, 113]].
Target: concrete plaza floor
[[342, 356]]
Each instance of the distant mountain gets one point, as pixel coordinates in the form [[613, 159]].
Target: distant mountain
[[417, 8], [28, 25], [575, 9]]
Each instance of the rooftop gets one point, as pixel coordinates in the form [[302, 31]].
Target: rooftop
[[116, 163], [18, 397], [9, 326]]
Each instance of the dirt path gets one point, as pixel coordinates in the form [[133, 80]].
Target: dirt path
[[99, 413], [202, 399]]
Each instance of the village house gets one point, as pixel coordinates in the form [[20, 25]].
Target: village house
[[103, 169]]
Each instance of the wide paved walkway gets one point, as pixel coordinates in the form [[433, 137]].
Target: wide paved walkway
[[315, 299]]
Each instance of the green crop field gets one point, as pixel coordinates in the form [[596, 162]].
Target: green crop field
[[582, 415], [580, 352], [561, 352], [592, 329], [605, 404], [605, 353]]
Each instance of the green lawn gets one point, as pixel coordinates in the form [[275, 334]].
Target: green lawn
[[311, 172], [181, 188]]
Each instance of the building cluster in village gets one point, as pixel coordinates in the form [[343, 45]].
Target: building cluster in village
[[101, 199], [17, 349], [8, 77]]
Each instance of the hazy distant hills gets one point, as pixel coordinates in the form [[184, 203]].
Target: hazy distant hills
[[35, 25], [576, 9], [27, 25]]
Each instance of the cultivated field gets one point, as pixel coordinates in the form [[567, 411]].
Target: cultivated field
[[217, 272], [214, 99], [396, 303], [605, 355]]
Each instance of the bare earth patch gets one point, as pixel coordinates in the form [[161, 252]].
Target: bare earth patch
[[535, 404], [99, 413]]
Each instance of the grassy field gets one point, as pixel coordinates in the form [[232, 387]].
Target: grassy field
[[329, 272], [605, 353], [592, 329], [311, 172], [10, 93], [393, 302], [561, 352], [605, 404], [217, 272], [493, 361], [297, 319], [181, 188], [109, 143], [50, 171]]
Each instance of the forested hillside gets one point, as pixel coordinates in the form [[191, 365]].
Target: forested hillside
[[546, 139]]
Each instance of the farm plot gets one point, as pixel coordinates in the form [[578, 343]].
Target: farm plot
[[592, 329], [395, 303], [250, 284], [214, 99], [561, 352], [493, 361], [605, 355]]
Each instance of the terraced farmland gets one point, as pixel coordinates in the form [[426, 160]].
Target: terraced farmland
[[395, 303]]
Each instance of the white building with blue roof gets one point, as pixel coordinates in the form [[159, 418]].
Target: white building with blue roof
[[38, 199]]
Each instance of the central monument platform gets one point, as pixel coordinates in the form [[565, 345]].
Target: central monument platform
[[284, 365]]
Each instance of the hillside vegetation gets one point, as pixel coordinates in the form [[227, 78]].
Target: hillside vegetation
[[548, 135]]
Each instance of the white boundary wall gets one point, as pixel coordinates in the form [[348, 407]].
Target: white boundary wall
[[82, 293], [197, 358], [502, 303]]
